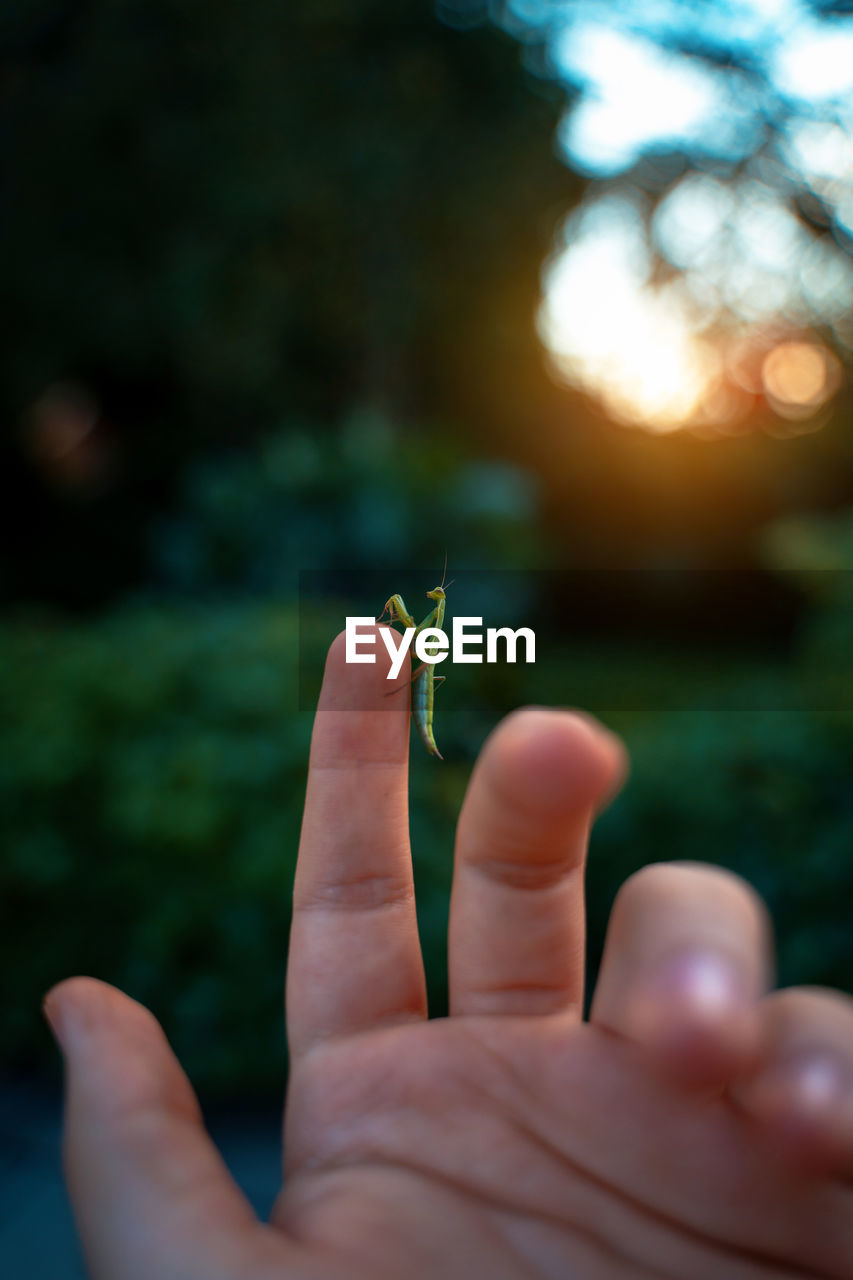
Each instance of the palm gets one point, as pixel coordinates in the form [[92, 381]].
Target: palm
[[547, 1149]]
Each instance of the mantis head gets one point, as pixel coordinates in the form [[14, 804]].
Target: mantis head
[[438, 593]]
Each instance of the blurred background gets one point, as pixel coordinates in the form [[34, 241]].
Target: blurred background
[[561, 289]]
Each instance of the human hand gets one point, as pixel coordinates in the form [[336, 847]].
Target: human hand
[[695, 1128]]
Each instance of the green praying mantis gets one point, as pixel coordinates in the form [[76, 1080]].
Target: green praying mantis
[[424, 679]]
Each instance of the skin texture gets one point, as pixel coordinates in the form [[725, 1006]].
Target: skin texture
[[697, 1126]]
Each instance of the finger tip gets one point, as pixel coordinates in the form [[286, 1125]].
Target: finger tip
[[76, 990], [72, 1002], [82, 1010], [806, 1109], [558, 759], [698, 1018], [362, 685]]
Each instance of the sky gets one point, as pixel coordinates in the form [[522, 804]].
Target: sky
[[749, 276]]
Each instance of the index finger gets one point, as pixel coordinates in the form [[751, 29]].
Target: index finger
[[355, 960]]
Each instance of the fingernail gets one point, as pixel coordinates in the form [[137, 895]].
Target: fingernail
[[819, 1079], [708, 980]]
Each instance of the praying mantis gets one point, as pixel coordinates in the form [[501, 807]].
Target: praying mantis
[[424, 679]]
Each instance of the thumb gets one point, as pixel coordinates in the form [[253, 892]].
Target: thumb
[[150, 1192]]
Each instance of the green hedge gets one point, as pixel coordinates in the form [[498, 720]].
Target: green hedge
[[152, 785]]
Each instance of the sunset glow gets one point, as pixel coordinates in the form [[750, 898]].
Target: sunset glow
[[664, 278], [648, 351], [610, 334], [799, 377]]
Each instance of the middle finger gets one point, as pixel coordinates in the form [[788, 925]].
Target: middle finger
[[516, 939]]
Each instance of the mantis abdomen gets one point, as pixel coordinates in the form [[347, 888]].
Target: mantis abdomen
[[423, 692]]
